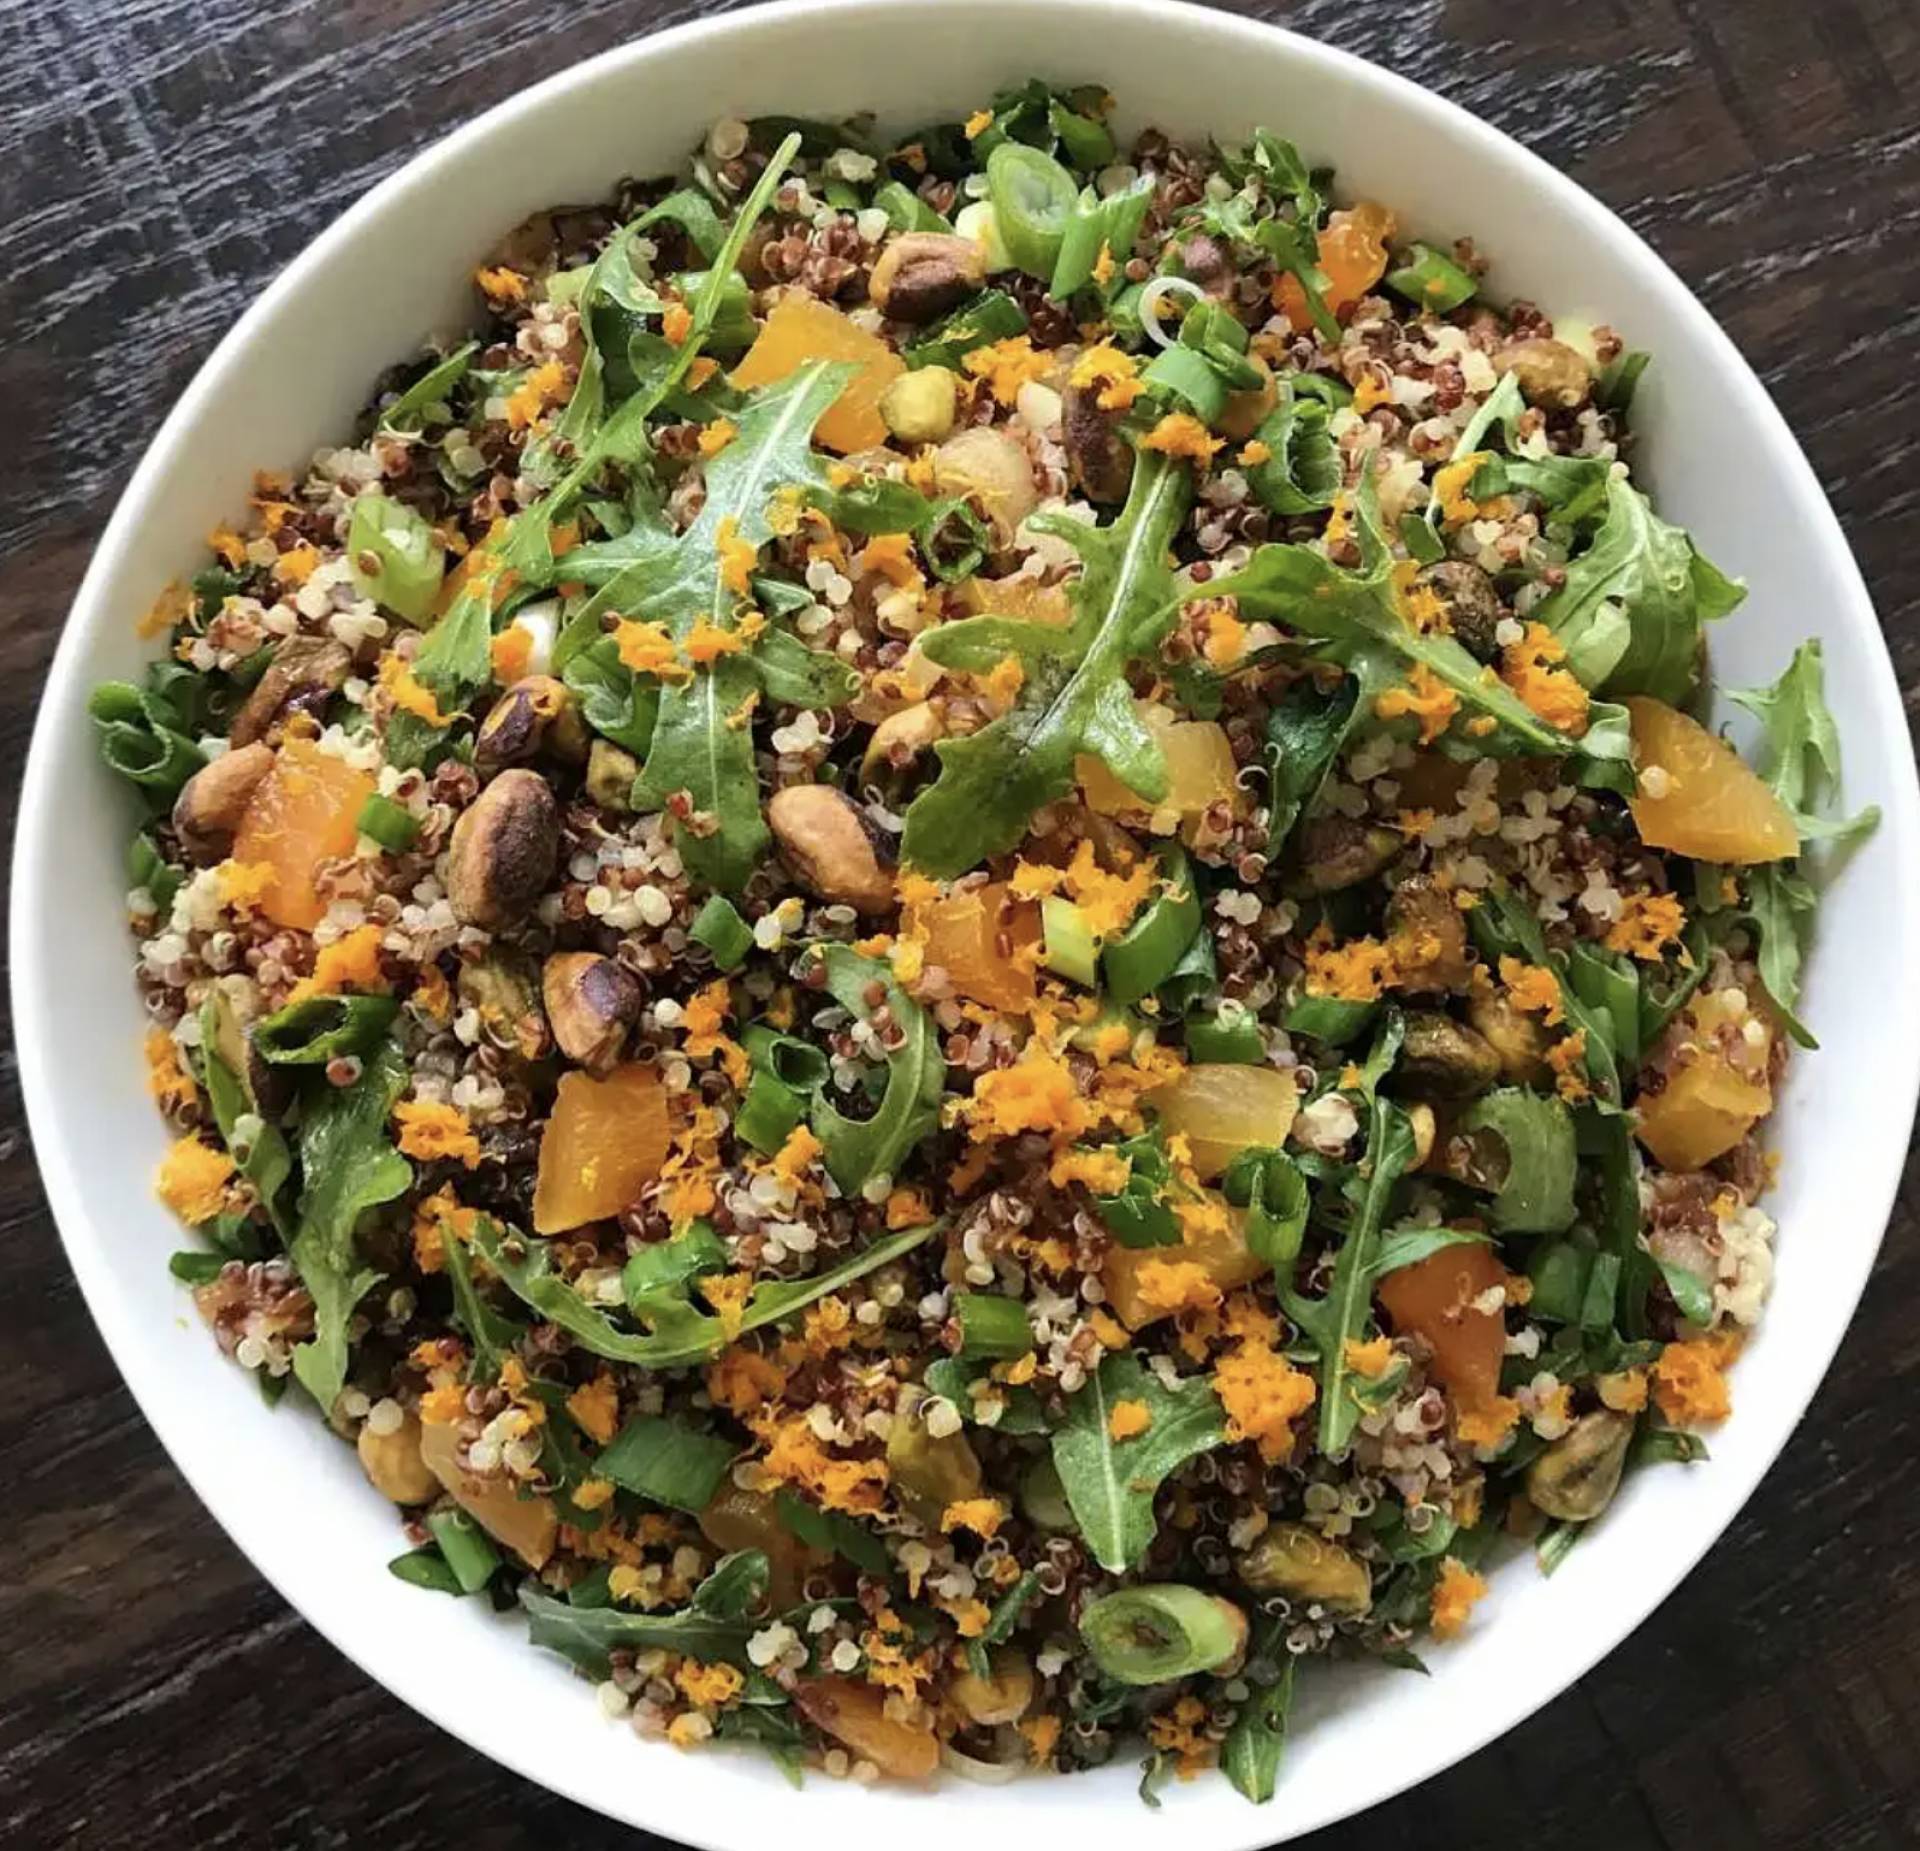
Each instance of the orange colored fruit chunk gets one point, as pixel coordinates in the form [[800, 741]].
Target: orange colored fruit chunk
[[526, 1525], [802, 329], [1222, 1108], [1435, 1298], [604, 1143], [302, 814], [1717, 1086], [1200, 770], [1220, 1252], [855, 1713], [1353, 254], [1704, 800], [973, 937]]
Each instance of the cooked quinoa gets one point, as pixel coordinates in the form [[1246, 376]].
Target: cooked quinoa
[[951, 950]]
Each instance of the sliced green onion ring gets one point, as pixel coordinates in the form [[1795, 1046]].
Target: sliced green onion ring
[[1153, 1634], [1033, 198]]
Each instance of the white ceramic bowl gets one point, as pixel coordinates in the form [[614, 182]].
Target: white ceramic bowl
[[292, 374]]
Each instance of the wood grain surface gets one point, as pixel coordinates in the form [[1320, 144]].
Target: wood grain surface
[[160, 159]]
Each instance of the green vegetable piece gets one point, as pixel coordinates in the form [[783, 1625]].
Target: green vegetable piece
[[465, 1547], [147, 870], [667, 1461], [349, 1165], [953, 539], [1334, 1020], [856, 1150], [1230, 1036], [391, 824], [323, 1028], [1148, 952], [1250, 1756], [141, 738], [873, 505], [1033, 197], [1158, 1632], [714, 1626], [680, 1335], [829, 1529], [1354, 618], [1269, 1186], [1537, 1195], [1559, 1271], [1329, 1323], [734, 327], [1409, 1246], [192, 1268], [1692, 1294], [1111, 225], [1613, 390], [1109, 1483], [1430, 279], [414, 409], [1192, 980], [1302, 472], [907, 211], [790, 1060], [1652, 572], [720, 928], [492, 1333], [991, 1326], [769, 1113], [426, 1568], [670, 1266], [1140, 1215], [614, 701], [991, 316], [1181, 374], [1068, 942], [394, 557]]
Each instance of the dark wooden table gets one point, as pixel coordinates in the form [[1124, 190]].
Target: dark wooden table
[[160, 159]]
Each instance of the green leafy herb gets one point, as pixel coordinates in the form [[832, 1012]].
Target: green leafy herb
[[409, 562], [1302, 472], [1001, 1622], [348, 1165], [667, 1461], [1109, 1483], [830, 1529], [323, 1028], [492, 1333], [1536, 1194], [1409, 1246], [1665, 588], [712, 1627], [258, 1147], [1075, 696], [614, 701], [1330, 1323], [1354, 619], [1305, 729], [680, 1334], [431, 392], [857, 1150], [1250, 1756]]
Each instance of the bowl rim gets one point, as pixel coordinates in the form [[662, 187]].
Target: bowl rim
[[36, 1020]]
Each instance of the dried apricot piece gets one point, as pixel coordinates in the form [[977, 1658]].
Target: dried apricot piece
[[802, 329], [605, 1141], [302, 813]]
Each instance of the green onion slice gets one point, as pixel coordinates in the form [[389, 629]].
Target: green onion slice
[[1153, 1634]]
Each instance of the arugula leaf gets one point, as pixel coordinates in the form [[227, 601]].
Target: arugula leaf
[[1658, 579], [613, 699], [1504, 925], [1802, 763], [713, 1626], [857, 1150], [1801, 766], [1329, 1323], [1001, 1622], [1536, 1195], [434, 387], [1075, 696], [1250, 1756], [832, 1530], [1306, 728], [313, 1032], [348, 1164], [701, 743], [262, 1156], [667, 1461], [492, 1333], [1409, 1246], [1354, 618], [680, 1334], [1109, 1483]]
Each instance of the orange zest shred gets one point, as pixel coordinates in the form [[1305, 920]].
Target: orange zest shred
[[595, 1406], [1007, 365], [1529, 668], [1534, 989], [1690, 1383], [1128, 1419], [409, 694], [430, 1130], [1262, 1393], [1114, 372], [1180, 433], [192, 1180], [1456, 1593], [716, 436], [1425, 697], [351, 962], [1648, 923]]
